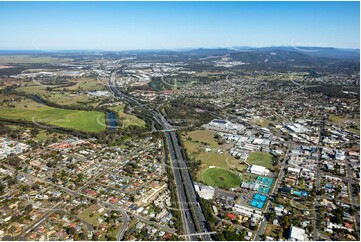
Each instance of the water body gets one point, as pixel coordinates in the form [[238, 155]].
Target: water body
[[112, 120], [38, 99]]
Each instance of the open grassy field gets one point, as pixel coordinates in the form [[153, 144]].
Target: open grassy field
[[127, 119], [203, 136], [29, 110], [261, 159], [262, 122], [82, 84], [43, 135], [248, 177], [87, 84], [196, 143], [355, 131], [273, 230], [91, 217], [344, 122], [60, 97], [219, 160], [336, 119], [221, 178], [6, 59], [57, 95], [32, 88], [67, 98]]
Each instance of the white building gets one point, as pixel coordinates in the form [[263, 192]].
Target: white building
[[297, 128], [292, 170], [258, 170], [224, 125], [297, 234], [249, 212], [206, 192]]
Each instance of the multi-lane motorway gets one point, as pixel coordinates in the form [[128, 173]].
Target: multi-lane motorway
[[194, 221]]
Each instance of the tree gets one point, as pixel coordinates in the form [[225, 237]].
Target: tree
[[338, 218], [34, 132], [2, 188], [28, 208], [71, 231], [285, 221], [270, 216]]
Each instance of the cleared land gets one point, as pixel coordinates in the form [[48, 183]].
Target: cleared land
[[336, 119], [355, 131], [262, 122], [87, 84], [70, 99], [273, 230], [221, 178], [261, 159], [29, 110], [81, 84]]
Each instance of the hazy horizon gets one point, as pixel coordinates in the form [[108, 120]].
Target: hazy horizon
[[183, 49]]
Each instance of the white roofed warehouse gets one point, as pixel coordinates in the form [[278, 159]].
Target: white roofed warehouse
[[258, 170], [297, 234]]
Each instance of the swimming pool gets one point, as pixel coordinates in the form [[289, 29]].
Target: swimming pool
[[258, 200], [265, 183]]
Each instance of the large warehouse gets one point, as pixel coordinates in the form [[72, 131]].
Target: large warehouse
[[224, 125], [258, 170]]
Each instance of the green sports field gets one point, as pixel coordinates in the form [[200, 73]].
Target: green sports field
[[28, 110], [261, 159], [221, 178], [196, 142]]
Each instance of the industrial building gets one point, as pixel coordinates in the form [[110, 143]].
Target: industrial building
[[297, 234], [258, 170], [206, 192]]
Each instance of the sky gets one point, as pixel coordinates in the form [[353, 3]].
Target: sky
[[172, 25]]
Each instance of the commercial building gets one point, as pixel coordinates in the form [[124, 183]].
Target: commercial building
[[297, 234], [224, 125], [295, 171], [206, 192], [258, 170]]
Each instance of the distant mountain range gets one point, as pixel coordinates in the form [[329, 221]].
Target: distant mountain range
[[277, 54], [327, 52]]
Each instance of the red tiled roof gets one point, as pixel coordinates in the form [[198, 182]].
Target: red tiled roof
[[231, 216], [114, 200], [167, 236]]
